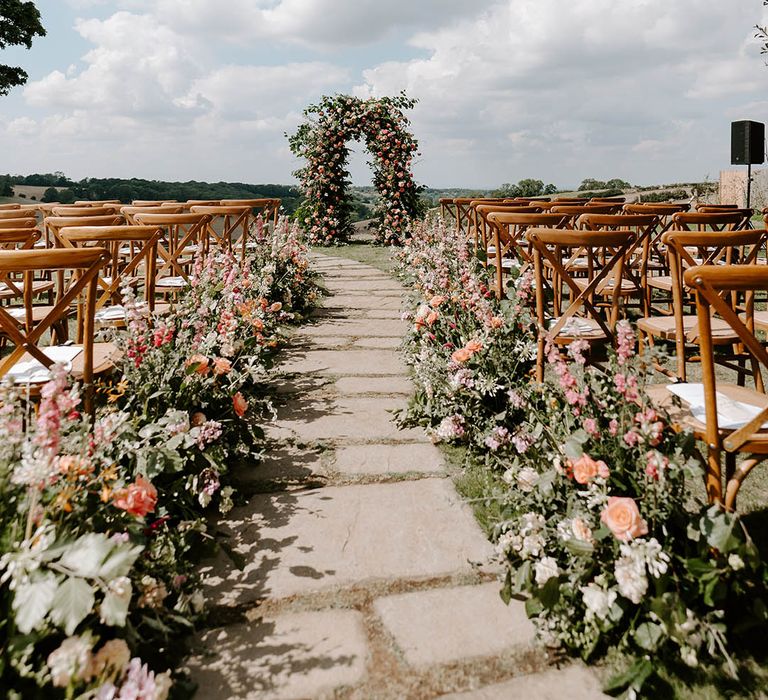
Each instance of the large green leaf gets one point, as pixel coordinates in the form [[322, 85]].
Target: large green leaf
[[32, 602], [119, 562], [85, 555], [73, 601], [648, 635]]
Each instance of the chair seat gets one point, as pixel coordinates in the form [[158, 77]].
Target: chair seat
[[607, 286], [38, 287], [105, 355], [170, 283], [761, 320], [664, 327], [663, 282], [579, 328], [682, 417]]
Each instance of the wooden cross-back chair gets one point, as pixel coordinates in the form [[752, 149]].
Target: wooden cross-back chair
[[607, 200], [726, 433], [129, 212], [712, 249], [94, 202], [606, 252], [18, 239], [152, 202], [574, 211], [266, 207], [26, 213], [26, 336], [447, 209], [229, 225], [575, 201], [680, 221], [746, 214], [508, 235], [119, 269], [644, 226], [481, 230], [10, 206], [20, 222], [108, 210], [184, 235]]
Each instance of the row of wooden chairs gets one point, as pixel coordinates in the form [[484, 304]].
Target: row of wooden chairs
[[73, 264]]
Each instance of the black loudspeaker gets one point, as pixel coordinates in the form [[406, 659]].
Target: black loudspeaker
[[747, 142]]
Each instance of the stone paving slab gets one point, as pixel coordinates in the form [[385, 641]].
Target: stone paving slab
[[388, 459], [358, 327], [373, 385], [321, 417], [385, 343], [283, 463], [448, 624], [363, 302], [308, 541], [574, 683], [299, 655], [344, 362], [374, 286], [356, 293], [383, 313]]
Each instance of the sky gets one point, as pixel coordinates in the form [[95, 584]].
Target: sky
[[558, 90]]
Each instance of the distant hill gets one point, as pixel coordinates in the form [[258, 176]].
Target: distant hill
[[38, 186]]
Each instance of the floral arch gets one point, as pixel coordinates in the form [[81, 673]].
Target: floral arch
[[322, 141]]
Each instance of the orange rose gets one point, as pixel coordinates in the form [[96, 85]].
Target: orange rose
[[474, 346], [221, 365], [585, 469], [199, 362], [240, 404], [461, 355], [277, 306], [138, 498], [623, 518], [432, 317], [436, 300], [496, 322]]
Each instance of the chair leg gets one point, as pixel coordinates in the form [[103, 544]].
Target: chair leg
[[735, 480], [713, 477]]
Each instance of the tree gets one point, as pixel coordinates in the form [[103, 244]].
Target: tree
[[591, 184], [19, 24], [550, 189], [530, 187], [762, 34], [617, 184], [50, 195]]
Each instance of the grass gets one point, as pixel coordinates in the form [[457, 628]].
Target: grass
[[362, 249]]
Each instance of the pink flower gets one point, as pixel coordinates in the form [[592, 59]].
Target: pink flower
[[199, 363], [239, 404], [221, 365], [625, 341], [590, 425], [631, 438], [585, 469], [623, 519], [138, 498]]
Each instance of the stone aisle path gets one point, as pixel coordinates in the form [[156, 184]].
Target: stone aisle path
[[365, 576]]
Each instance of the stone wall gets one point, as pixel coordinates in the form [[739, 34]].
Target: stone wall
[[733, 187]]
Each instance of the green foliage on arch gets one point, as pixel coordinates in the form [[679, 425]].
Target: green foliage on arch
[[322, 141]]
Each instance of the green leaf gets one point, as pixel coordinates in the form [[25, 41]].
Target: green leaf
[[32, 602], [573, 449], [506, 590], [119, 562], [533, 607], [73, 601], [579, 547], [648, 635], [85, 555], [549, 593], [114, 609], [633, 677]]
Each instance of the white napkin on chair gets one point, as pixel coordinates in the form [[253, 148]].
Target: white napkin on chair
[[730, 414], [32, 371]]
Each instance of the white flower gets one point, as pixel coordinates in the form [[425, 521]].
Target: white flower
[[72, 660], [527, 479], [735, 562], [598, 601], [581, 531], [688, 655], [546, 569], [630, 575]]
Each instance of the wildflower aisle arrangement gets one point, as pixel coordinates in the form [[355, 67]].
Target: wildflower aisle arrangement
[[103, 520], [592, 490], [322, 141]]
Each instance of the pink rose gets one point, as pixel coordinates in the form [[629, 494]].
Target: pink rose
[[623, 518], [585, 469], [199, 363], [221, 365], [138, 498], [239, 404]]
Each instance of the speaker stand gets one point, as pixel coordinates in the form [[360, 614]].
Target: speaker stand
[[749, 184]]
